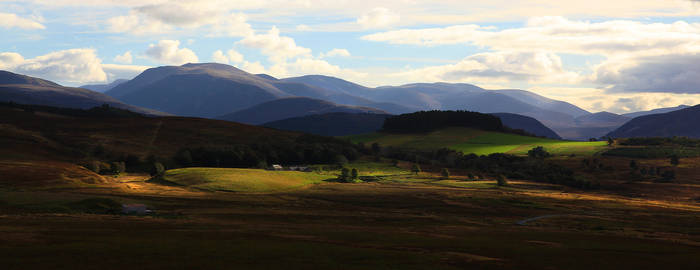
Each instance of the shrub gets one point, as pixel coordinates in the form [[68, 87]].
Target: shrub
[[445, 173], [538, 152], [633, 165], [157, 170], [94, 166], [416, 169], [501, 180], [675, 160], [344, 175], [354, 174]]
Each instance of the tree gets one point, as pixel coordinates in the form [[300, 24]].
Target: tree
[[157, 170], [415, 169], [611, 141], [394, 163], [118, 167], [340, 160], [376, 148], [344, 175], [445, 173], [501, 180], [538, 152], [675, 160], [94, 166], [470, 176], [633, 165], [354, 174]]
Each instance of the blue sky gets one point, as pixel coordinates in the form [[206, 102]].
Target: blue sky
[[616, 56]]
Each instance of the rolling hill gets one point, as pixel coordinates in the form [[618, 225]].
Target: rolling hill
[[675, 123], [528, 124], [291, 107], [29, 90], [332, 124]]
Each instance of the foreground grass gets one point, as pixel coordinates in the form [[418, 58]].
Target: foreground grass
[[478, 142], [241, 180]]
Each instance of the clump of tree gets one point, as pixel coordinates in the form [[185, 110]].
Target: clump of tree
[[415, 169], [675, 160], [348, 175], [538, 152], [433, 120], [157, 170]]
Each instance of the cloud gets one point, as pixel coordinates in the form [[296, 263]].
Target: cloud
[[122, 71], [9, 20], [168, 52], [557, 34], [125, 58], [231, 56], [336, 53], [137, 25], [675, 73], [378, 18], [494, 67], [9, 60], [303, 27], [277, 48], [72, 66]]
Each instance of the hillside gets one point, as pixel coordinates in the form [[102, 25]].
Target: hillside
[[528, 124], [55, 135], [655, 111], [675, 123], [29, 90], [332, 124], [291, 107], [544, 103]]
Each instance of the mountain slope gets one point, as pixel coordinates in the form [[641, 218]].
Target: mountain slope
[[528, 124], [332, 124], [291, 107], [655, 111], [29, 90], [104, 87], [675, 123], [544, 103]]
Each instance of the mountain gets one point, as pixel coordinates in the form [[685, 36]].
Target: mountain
[[291, 107], [544, 103], [29, 90], [203, 90], [332, 124], [528, 124], [594, 125], [601, 119], [211, 90], [656, 111], [675, 123], [104, 87]]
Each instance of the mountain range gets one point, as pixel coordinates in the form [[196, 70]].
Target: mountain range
[[674, 123], [29, 90]]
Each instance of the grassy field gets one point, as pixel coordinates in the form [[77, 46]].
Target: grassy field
[[478, 142], [242, 180]]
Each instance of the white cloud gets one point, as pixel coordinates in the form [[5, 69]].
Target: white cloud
[[122, 71], [277, 48], [677, 73], [72, 66], [497, 67], [125, 58], [303, 27], [136, 24], [336, 53], [9, 20], [168, 52], [9, 60], [231, 56], [378, 18]]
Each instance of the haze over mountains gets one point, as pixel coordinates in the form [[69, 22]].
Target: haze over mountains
[[221, 91]]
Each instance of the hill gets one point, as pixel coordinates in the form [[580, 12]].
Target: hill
[[528, 124], [291, 107], [332, 124], [29, 90], [655, 111], [104, 87], [241, 180], [544, 103], [675, 123], [56, 135]]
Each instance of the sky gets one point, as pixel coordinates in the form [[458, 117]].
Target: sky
[[618, 56]]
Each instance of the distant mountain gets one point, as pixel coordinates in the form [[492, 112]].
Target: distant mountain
[[545, 103], [593, 125], [211, 90], [675, 123], [332, 124], [656, 111], [29, 90], [601, 119], [528, 124], [104, 87], [291, 107]]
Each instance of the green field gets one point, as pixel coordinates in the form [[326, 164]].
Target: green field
[[242, 180], [478, 142]]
